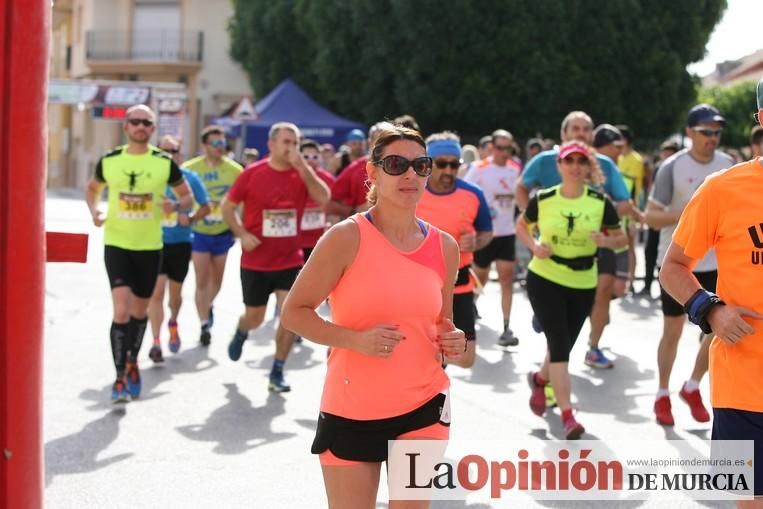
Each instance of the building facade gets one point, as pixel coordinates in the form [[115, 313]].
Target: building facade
[[174, 54]]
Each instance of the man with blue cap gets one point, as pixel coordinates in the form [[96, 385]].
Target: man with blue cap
[[725, 214], [355, 143], [460, 209], [675, 184]]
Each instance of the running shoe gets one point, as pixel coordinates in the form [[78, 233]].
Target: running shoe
[[119, 392], [694, 400], [508, 338], [133, 380], [174, 343], [548, 390], [537, 395], [205, 338], [155, 354], [537, 327], [236, 346], [662, 411], [572, 428], [277, 382], [596, 359]]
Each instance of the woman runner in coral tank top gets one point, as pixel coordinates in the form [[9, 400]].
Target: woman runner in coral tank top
[[389, 277]]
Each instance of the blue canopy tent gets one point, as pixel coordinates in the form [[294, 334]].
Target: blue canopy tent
[[289, 103]]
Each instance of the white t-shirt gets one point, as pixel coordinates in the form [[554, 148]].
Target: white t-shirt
[[499, 184], [677, 179]]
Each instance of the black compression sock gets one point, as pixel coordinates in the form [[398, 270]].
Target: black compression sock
[[135, 332], [119, 346]]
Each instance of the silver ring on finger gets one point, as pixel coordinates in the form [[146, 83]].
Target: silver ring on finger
[[386, 348]]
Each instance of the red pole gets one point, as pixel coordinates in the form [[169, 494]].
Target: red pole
[[24, 39]]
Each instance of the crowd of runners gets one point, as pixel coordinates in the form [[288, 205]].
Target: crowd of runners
[[398, 232]]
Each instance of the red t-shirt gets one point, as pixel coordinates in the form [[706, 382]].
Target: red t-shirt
[[351, 187], [273, 204], [313, 222]]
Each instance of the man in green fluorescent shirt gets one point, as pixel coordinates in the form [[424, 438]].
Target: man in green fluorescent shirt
[[136, 176], [212, 237]]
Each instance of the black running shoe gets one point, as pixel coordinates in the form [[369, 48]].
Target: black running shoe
[[205, 338]]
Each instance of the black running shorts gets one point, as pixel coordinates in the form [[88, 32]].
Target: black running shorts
[[136, 269], [463, 314], [671, 307], [257, 285], [500, 248], [175, 260]]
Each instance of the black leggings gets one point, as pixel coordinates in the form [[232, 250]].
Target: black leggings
[[650, 256], [561, 311]]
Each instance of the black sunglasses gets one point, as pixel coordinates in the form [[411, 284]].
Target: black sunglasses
[[138, 121], [503, 147], [171, 150], [441, 163], [705, 131], [397, 165]]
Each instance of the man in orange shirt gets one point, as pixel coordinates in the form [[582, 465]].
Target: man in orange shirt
[[460, 209], [727, 214]]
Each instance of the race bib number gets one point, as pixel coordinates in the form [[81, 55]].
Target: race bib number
[[215, 213], [445, 411], [505, 202], [279, 223], [313, 219], [170, 221], [136, 206]]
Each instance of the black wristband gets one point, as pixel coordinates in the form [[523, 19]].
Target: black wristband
[[699, 306]]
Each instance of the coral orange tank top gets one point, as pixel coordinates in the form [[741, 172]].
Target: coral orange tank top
[[385, 285]]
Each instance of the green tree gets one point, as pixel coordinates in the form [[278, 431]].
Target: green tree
[[266, 41], [476, 66], [737, 104]]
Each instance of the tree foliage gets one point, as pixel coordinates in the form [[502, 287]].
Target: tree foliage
[[475, 66], [737, 104]]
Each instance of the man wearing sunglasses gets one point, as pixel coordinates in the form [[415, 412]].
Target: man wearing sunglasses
[[272, 194], [136, 175], [349, 191], [460, 209], [356, 148], [497, 177], [678, 179], [212, 237], [313, 223], [725, 214]]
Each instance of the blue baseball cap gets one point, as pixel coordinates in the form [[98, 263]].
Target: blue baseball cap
[[704, 114], [356, 135]]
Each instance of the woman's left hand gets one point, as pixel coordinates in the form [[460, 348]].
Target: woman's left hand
[[452, 340]]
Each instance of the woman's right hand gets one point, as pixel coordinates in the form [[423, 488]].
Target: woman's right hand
[[541, 250], [379, 341]]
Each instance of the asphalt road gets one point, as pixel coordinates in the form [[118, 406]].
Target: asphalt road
[[206, 433]]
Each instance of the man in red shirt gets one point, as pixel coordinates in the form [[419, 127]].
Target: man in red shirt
[[273, 193], [348, 192], [313, 223]]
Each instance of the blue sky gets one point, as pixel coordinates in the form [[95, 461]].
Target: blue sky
[[739, 33]]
